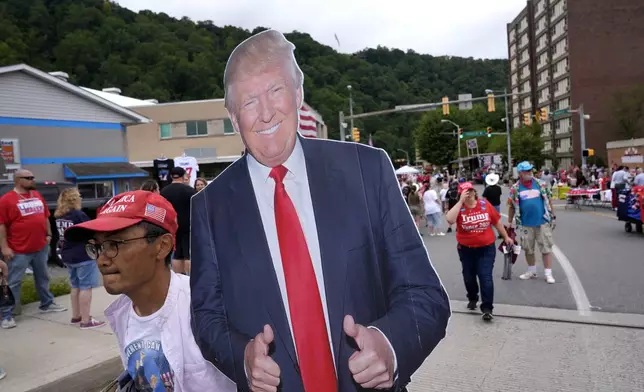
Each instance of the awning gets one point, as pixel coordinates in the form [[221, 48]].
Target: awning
[[103, 171]]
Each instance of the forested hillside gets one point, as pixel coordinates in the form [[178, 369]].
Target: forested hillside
[[152, 55]]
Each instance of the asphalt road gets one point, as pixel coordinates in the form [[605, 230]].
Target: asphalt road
[[608, 262]]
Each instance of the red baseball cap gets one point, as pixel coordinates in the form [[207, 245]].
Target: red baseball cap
[[125, 210], [465, 186]]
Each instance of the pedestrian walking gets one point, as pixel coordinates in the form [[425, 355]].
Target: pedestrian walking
[[25, 234], [452, 198], [178, 193], [83, 271], [433, 214], [4, 271], [132, 240], [474, 219], [530, 208], [415, 206]]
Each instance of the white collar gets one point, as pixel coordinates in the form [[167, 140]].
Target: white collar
[[295, 164]]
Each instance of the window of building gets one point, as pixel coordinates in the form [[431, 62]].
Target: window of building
[[165, 131], [228, 127], [95, 190], [196, 128]]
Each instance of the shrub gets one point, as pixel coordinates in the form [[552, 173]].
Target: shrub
[[58, 286]]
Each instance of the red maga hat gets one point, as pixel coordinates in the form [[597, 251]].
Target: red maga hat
[[465, 186], [125, 210]]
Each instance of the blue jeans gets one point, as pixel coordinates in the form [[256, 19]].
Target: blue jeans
[[17, 267], [497, 208], [83, 275], [478, 263]]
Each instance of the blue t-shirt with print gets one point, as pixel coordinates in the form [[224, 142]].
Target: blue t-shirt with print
[[531, 204]]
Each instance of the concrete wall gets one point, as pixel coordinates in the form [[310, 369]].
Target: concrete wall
[[25, 96]]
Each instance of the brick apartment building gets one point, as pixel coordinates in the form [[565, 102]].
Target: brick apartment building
[[566, 53]]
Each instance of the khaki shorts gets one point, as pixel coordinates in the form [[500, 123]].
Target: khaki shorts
[[532, 237]]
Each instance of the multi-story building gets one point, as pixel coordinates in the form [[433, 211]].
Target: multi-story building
[[566, 53]]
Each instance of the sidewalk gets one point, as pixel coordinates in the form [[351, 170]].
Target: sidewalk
[[524, 349]]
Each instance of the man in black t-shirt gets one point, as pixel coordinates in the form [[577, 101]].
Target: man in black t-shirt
[[179, 195]]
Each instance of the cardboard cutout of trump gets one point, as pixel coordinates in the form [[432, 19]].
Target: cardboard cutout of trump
[[304, 278]]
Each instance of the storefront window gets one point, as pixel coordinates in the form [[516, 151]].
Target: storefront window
[[96, 190]]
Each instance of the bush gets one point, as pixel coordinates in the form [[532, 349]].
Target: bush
[[58, 286]]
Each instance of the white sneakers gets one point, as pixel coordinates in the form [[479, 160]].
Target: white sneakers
[[533, 275], [8, 323]]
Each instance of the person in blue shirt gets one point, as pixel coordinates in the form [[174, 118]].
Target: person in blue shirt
[[530, 208], [83, 271]]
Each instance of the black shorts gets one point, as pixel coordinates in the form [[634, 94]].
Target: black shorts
[[182, 252]]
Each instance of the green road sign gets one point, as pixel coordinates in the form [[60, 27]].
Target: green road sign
[[560, 112], [474, 133]]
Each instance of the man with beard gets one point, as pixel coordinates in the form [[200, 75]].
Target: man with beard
[[25, 234]]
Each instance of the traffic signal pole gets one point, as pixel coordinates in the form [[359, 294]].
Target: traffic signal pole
[[507, 131], [582, 130]]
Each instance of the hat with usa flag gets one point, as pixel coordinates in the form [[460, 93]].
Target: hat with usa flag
[[125, 210]]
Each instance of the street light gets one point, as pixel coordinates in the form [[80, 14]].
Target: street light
[[507, 125], [350, 105], [406, 153], [460, 164]]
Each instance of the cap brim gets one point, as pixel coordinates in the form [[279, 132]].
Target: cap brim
[[84, 231]]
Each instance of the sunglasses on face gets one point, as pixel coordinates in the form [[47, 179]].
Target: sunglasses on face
[[28, 178]]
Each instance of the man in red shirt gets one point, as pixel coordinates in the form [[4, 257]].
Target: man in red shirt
[[25, 234]]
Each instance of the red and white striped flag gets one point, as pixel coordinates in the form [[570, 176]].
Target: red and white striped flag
[[308, 124], [370, 141]]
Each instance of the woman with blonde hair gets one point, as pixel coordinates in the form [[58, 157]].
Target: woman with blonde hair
[[83, 272]]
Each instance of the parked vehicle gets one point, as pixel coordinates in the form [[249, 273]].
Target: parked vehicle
[[50, 191]]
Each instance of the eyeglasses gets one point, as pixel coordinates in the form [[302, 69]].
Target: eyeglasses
[[29, 178], [110, 248]]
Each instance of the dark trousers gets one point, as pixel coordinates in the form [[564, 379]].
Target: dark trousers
[[478, 263]]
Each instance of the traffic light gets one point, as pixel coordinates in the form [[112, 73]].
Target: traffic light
[[589, 152], [355, 134], [490, 103], [488, 130], [537, 115], [526, 118], [445, 106], [544, 114], [460, 133]]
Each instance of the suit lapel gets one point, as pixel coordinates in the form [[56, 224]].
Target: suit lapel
[[256, 254], [328, 205]]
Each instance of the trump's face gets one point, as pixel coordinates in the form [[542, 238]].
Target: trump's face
[[265, 112]]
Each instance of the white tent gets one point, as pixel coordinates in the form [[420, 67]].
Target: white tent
[[406, 170]]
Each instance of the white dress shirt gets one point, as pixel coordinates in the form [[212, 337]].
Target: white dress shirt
[[296, 183]]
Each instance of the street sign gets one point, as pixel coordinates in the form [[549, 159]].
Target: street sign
[[467, 105], [474, 133], [560, 112], [472, 144]]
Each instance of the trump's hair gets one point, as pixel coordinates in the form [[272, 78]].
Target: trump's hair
[[254, 55]]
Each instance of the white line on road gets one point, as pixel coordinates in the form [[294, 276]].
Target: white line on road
[[578, 292]]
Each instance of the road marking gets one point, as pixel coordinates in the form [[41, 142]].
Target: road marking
[[578, 292]]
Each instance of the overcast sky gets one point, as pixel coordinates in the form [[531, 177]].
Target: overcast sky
[[468, 28]]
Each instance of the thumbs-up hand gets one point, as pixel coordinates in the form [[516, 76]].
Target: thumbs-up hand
[[262, 372], [372, 365]]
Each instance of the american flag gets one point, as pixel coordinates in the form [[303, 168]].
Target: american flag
[[153, 212], [308, 123]]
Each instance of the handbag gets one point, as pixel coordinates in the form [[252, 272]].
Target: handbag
[[6, 296]]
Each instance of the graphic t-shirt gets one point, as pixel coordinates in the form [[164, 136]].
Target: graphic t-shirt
[[190, 165], [474, 225], [430, 199], [26, 218], [531, 204], [72, 252], [146, 361], [162, 169]]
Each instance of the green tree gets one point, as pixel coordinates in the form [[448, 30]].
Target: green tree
[[526, 144], [628, 111]]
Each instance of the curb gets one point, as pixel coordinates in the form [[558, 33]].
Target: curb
[[604, 319], [92, 379]]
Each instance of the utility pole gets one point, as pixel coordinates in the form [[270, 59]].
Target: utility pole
[[507, 131], [350, 106], [341, 117], [582, 130]]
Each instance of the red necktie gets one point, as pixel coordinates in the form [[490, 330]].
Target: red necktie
[[307, 316]]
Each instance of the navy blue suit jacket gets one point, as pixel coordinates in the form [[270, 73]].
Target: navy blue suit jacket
[[375, 266]]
